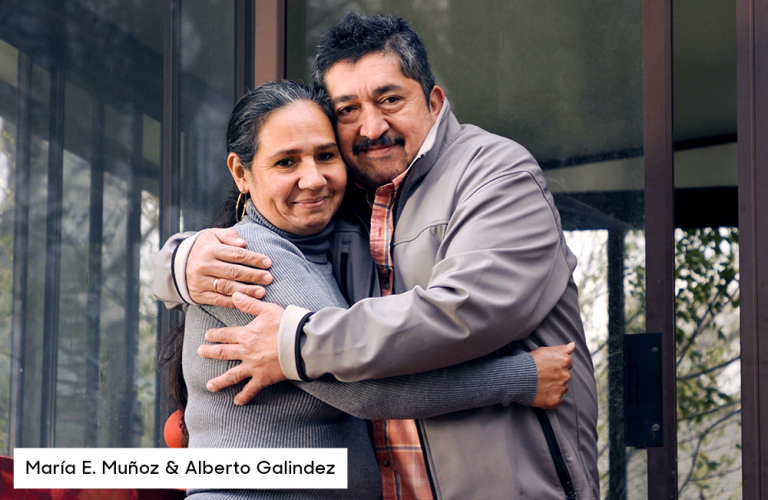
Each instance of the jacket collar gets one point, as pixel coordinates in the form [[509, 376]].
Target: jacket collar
[[442, 133]]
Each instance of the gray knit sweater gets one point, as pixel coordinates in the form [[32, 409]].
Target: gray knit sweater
[[324, 413]]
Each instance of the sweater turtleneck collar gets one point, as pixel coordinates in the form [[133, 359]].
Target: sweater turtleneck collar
[[314, 247]]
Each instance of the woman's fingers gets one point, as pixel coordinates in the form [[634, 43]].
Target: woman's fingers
[[553, 365]]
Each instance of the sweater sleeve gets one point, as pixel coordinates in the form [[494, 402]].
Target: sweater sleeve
[[474, 384]]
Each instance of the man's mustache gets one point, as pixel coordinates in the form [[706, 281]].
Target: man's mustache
[[383, 141]]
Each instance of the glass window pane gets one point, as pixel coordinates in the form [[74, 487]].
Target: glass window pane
[[8, 82], [707, 251], [110, 98], [206, 99]]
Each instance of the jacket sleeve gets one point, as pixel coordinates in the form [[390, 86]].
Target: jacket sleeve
[[171, 258], [500, 269]]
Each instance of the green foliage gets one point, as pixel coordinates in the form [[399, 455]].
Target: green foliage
[[707, 336]]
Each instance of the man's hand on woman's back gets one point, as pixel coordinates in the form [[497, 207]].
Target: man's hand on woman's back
[[218, 257]]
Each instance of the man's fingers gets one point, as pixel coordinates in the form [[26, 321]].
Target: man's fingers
[[229, 236], [249, 305], [237, 272], [229, 288], [249, 392], [237, 255], [226, 352], [215, 299], [228, 335], [230, 377]]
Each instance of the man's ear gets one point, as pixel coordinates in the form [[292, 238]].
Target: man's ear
[[436, 98], [238, 172]]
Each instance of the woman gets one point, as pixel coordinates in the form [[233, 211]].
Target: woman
[[283, 153]]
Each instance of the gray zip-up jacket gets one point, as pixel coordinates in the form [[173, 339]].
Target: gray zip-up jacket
[[480, 262]]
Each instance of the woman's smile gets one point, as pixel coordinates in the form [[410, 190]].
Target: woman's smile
[[312, 203]]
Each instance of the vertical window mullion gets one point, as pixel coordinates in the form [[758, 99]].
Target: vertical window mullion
[[244, 47], [20, 250], [660, 230], [53, 255], [752, 80], [169, 201], [269, 40], [132, 265], [617, 478]]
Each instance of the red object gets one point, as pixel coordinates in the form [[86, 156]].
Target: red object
[[174, 436], [7, 492]]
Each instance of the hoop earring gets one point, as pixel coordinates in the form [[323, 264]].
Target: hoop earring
[[240, 214]]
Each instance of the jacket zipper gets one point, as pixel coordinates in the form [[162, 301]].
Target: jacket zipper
[[426, 460], [557, 455]]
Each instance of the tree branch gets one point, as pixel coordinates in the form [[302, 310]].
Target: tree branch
[[713, 410], [709, 370], [705, 321], [599, 348], [703, 436]]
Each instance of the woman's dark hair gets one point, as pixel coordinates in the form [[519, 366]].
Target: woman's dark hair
[[253, 109], [245, 122], [357, 36]]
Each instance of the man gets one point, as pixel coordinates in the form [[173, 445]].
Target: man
[[469, 256]]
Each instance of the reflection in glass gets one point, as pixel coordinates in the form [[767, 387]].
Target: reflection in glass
[[38, 227], [8, 84], [206, 99], [110, 98], [706, 250]]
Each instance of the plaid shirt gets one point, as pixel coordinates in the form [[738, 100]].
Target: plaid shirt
[[398, 448]]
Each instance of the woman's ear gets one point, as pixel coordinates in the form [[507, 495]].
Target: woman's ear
[[238, 172]]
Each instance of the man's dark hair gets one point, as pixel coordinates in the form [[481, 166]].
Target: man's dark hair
[[358, 35]]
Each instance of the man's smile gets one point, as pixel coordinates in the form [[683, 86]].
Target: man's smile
[[378, 151]]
